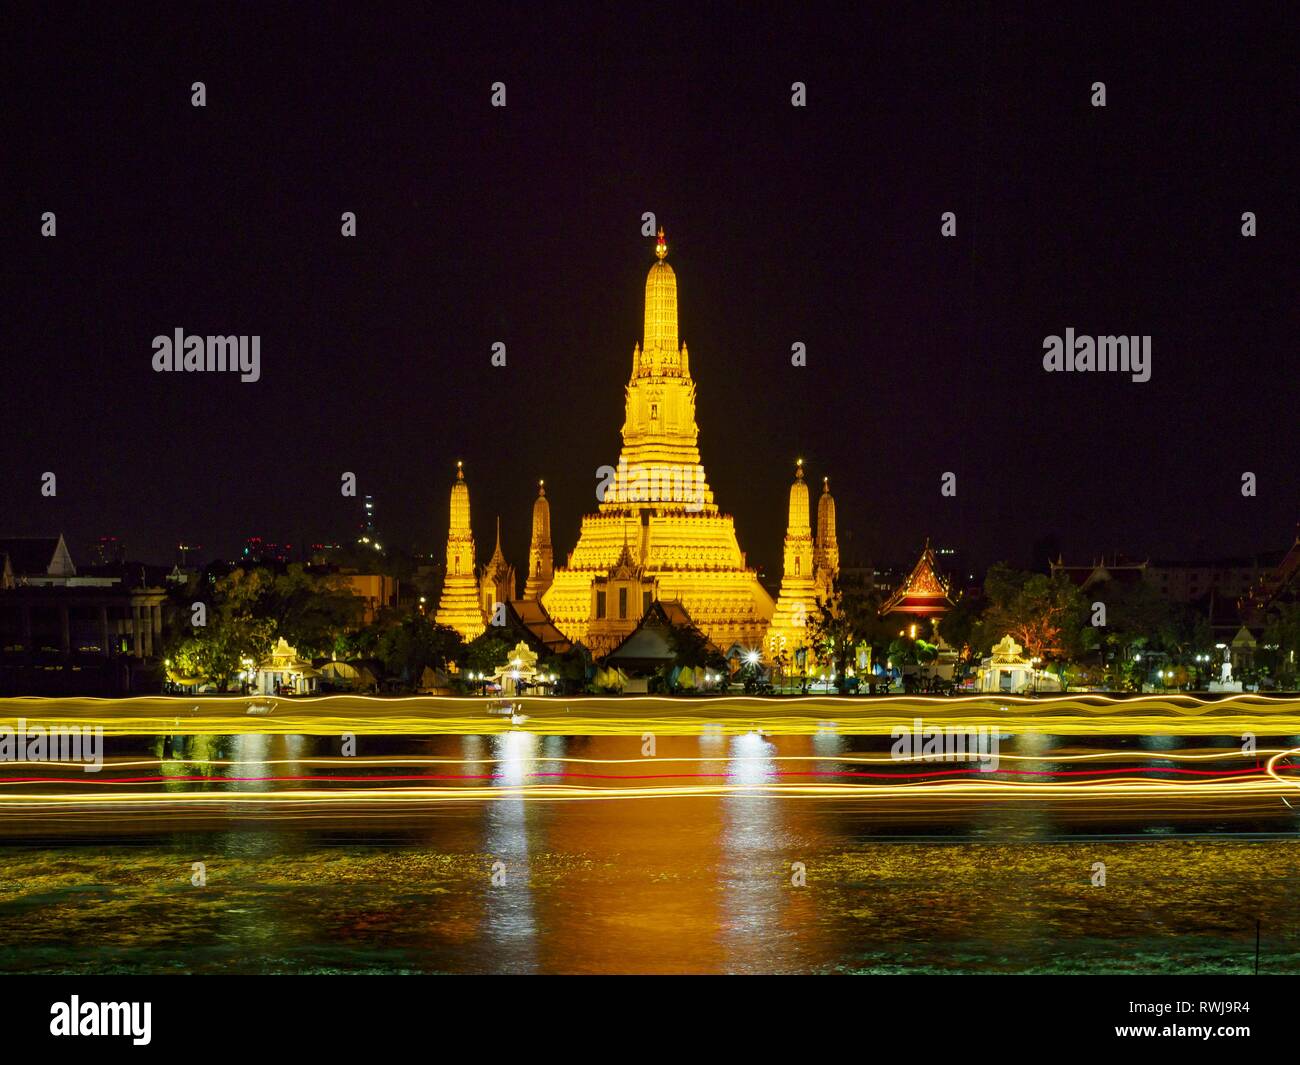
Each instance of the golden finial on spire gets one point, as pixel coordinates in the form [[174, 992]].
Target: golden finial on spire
[[541, 488], [460, 473], [661, 248], [798, 469]]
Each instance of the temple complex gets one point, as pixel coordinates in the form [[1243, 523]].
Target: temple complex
[[458, 607], [657, 534]]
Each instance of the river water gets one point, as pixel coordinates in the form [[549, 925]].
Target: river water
[[700, 865]]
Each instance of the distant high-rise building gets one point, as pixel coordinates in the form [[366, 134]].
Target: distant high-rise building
[[258, 550], [108, 550]]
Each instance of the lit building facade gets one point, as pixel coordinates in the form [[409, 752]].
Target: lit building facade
[[657, 533]]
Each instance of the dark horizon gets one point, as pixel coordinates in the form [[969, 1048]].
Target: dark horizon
[[818, 225]]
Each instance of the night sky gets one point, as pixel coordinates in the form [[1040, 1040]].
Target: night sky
[[817, 224]]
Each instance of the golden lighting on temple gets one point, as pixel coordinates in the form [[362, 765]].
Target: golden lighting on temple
[[657, 534]]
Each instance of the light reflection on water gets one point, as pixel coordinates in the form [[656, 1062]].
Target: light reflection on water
[[509, 925], [697, 884]]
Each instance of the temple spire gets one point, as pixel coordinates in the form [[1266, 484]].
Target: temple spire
[[659, 343], [541, 564], [827, 551], [798, 524], [458, 606], [797, 600], [498, 553]]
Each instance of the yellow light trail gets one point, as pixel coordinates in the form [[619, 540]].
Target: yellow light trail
[[1089, 791], [1210, 754], [1076, 714], [1265, 783]]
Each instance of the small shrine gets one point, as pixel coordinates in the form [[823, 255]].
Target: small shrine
[[282, 672], [519, 672], [1007, 670]]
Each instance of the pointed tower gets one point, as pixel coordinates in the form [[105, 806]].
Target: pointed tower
[[796, 605], [497, 583], [826, 554], [458, 606], [658, 501], [541, 561]]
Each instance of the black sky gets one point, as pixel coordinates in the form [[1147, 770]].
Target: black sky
[[522, 224]]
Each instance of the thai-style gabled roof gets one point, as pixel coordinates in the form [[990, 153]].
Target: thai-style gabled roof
[[1119, 568], [529, 619], [924, 592], [649, 645], [625, 566]]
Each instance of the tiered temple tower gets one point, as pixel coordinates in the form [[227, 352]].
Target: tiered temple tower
[[826, 553], [497, 583], [796, 605], [459, 605], [541, 562], [658, 503]]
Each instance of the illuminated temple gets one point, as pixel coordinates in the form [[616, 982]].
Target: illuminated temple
[[657, 533]]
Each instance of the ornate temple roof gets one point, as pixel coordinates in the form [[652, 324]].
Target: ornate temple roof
[[497, 564], [649, 646], [924, 592]]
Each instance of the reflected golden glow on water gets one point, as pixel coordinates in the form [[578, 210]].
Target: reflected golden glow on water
[[610, 889], [689, 875]]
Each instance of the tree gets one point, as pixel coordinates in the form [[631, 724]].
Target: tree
[[308, 610], [835, 631], [215, 652], [959, 624], [415, 643], [1282, 630], [691, 649], [1045, 615], [248, 609], [1136, 615], [485, 653]]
